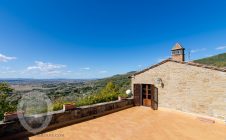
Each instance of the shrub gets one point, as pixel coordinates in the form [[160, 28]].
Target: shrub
[[107, 94], [5, 105], [58, 105], [123, 95]]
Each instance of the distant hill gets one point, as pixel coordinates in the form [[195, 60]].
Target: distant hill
[[120, 80], [21, 81], [217, 60]]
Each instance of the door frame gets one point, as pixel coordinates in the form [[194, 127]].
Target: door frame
[[154, 98], [138, 96], [146, 95]]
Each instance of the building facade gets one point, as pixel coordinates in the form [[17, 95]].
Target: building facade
[[184, 86]]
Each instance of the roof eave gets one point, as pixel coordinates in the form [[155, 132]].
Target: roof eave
[[181, 62]]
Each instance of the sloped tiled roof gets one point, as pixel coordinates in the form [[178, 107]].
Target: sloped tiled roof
[[177, 47], [188, 63]]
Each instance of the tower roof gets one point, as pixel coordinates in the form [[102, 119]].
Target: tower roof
[[177, 47]]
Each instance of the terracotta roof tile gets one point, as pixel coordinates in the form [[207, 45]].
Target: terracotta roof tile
[[177, 47]]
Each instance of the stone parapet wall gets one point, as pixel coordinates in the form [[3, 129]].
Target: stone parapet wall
[[9, 130]]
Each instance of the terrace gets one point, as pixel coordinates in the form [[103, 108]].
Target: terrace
[[140, 123]]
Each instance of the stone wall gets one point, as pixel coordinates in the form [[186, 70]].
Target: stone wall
[[178, 57], [188, 88], [14, 129]]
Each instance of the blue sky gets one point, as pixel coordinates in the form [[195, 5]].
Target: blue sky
[[100, 38]]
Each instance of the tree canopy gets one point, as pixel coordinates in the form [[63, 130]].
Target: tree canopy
[[5, 88], [5, 104]]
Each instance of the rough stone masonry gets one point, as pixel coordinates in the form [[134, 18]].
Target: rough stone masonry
[[188, 88]]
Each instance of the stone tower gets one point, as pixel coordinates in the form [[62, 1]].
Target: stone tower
[[178, 53]]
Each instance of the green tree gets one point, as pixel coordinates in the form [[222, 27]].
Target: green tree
[[109, 88], [5, 104], [5, 88], [108, 93]]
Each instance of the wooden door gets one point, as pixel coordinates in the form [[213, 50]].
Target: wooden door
[[154, 98], [137, 94], [146, 95]]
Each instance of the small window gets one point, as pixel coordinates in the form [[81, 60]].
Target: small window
[[174, 52], [177, 52]]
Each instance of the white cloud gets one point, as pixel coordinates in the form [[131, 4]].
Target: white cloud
[[4, 58], [198, 50], [46, 68], [86, 68], [221, 48], [139, 66], [103, 72], [8, 72]]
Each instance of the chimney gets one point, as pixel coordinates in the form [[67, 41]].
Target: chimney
[[178, 53]]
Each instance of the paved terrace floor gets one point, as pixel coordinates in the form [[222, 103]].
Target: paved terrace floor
[[140, 123]]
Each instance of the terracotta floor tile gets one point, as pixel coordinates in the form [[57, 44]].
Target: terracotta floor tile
[[143, 124]]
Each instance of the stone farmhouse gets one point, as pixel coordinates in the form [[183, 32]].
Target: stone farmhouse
[[179, 85]]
